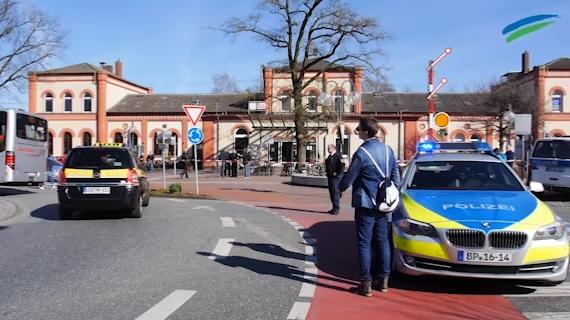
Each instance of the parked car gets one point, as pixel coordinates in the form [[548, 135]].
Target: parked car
[[54, 167]]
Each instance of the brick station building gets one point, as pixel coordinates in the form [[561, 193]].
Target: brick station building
[[85, 104]]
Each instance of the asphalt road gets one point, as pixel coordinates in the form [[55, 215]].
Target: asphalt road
[[103, 267]]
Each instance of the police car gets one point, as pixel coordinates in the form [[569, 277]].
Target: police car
[[105, 177], [466, 213]]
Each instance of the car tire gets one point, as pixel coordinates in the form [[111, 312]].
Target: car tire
[[137, 211], [65, 213], [146, 200]]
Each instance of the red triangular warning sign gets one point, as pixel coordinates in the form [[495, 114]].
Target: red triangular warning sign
[[194, 113]]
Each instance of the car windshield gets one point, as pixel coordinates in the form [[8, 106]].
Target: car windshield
[[552, 149], [99, 158], [463, 175]]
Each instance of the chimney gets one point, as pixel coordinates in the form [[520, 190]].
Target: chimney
[[119, 68], [525, 62]]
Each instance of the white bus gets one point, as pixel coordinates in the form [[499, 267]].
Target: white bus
[[23, 147]]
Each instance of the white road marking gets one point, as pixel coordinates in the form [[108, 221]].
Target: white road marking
[[178, 200], [293, 223], [204, 207], [310, 251], [307, 290], [299, 311], [167, 306], [287, 219], [561, 290], [222, 249], [547, 315], [227, 222], [309, 241]]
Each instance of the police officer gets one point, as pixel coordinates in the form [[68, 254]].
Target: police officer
[[334, 168]]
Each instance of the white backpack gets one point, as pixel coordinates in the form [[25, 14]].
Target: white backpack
[[388, 195]]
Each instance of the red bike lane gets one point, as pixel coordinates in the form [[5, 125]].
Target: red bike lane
[[408, 298]]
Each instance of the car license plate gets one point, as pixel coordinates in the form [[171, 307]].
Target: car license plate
[[554, 169], [96, 190], [490, 257]]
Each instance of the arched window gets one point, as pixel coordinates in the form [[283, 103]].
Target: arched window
[[134, 139], [156, 149], [67, 142], [475, 138], [48, 102], [173, 142], [286, 101], [87, 139], [344, 144], [87, 102], [557, 101], [68, 102], [339, 100], [118, 138], [312, 99], [241, 139], [50, 144], [459, 138]]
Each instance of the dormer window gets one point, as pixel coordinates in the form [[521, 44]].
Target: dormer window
[[557, 101]]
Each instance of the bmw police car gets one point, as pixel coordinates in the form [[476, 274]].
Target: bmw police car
[[103, 177], [465, 213]]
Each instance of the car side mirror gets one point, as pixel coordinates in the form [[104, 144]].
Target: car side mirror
[[536, 187]]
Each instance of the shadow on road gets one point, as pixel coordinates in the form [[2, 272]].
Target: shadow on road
[[554, 196], [247, 189], [12, 191], [274, 269], [294, 209], [51, 212], [3, 227], [337, 256]]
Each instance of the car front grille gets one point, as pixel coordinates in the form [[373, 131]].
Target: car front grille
[[484, 269], [466, 238], [507, 239]]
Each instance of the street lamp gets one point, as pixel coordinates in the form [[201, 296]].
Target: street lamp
[[326, 99]]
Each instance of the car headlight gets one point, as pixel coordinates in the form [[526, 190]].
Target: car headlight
[[416, 228], [552, 231]]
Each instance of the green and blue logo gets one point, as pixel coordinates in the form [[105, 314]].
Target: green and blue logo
[[528, 25]]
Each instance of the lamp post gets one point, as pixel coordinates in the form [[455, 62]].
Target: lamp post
[[326, 99], [164, 155]]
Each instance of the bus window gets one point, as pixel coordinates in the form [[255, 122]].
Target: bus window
[[2, 131], [31, 128]]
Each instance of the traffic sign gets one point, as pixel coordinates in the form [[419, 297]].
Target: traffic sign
[[442, 120], [194, 113], [195, 135]]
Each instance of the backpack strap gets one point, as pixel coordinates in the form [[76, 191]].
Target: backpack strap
[[374, 162]]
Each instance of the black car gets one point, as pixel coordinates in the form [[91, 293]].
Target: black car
[[100, 178]]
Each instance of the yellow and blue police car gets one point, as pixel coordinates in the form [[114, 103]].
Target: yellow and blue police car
[[105, 177], [466, 213]]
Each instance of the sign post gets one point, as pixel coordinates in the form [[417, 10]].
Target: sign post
[[195, 135], [431, 103]]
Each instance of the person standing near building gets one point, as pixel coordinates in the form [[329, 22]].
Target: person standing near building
[[234, 162], [372, 225], [334, 169], [183, 164], [247, 163], [223, 162]]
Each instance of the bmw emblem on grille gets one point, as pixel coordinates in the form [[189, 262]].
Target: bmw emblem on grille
[[485, 224]]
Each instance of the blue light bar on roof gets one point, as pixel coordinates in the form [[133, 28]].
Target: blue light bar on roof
[[433, 146]]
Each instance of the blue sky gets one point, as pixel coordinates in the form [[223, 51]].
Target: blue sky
[[169, 45]]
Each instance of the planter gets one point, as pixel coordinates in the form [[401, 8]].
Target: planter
[[310, 181]]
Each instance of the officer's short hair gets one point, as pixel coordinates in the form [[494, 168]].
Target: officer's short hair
[[332, 146], [369, 125]]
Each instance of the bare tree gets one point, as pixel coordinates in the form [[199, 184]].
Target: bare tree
[[28, 39], [223, 83], [499, 97], [309, 32], [378, 83]]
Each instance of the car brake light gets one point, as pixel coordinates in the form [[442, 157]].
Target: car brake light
[[61, 180], [11, 160], [133, 177]]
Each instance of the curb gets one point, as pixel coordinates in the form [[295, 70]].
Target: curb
[[8, 210]]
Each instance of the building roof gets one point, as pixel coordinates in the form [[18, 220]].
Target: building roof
[[393, 102], [75, 68], [560, 63], [172, 103], [319, 66]]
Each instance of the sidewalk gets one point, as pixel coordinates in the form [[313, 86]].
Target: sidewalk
[[411, 298]]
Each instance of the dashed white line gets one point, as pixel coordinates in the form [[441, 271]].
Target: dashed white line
[[204, 207], [310, 251], [308, 289], [168, 305], [309, 241], [178, 200], [222, 249], [293, 223], [299, 311], [547, 315], [227, 222]]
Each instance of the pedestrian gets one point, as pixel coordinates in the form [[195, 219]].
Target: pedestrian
[[510, 155], [372, 225], [234, 162], [150, 160], [183, 164], [223, 163], [247, 163], [334, 169]]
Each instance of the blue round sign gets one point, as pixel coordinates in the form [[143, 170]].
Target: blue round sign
[[195, 135]]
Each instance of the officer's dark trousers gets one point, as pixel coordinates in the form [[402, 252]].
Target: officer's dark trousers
[[334, 192]]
